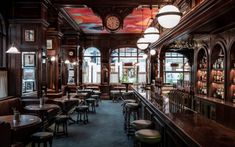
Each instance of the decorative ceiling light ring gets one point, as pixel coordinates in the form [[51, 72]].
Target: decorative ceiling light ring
[[142, 43], [169, 16], [151, 34]]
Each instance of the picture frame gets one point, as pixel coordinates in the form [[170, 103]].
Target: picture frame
[[29, 86], [49, 44], [29, 35], [29, 60], [29, 74]]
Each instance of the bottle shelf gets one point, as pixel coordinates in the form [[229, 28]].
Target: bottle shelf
[[216, 82], [218, 69], [203, 69]]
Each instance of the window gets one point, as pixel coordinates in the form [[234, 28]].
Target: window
[[127, 65], [91, 66], [176, 67]]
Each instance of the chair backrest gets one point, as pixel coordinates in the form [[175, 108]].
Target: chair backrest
[[5, 135]]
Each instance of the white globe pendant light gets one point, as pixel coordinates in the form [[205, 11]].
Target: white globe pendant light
[[142, 43], [152, 52], [169, 16], [145, 56], [151, 34]]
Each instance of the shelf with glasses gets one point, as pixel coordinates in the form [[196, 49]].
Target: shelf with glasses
[[202, 73]]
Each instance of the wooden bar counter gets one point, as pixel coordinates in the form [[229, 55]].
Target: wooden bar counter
[[186, 128]]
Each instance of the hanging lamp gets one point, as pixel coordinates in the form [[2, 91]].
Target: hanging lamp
[[169, 16], [151, 34], [142, 43], [13, 50]]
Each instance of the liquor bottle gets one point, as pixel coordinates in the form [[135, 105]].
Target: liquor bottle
[[222, 64], [222, 93]]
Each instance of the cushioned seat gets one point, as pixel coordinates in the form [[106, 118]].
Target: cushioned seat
[[148, 136], [42, 137], [141, 124], [129, 101], [132, 105]]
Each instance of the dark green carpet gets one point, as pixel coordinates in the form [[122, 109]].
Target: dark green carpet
[[105, 129]]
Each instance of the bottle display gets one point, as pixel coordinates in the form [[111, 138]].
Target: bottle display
[[202, 76]]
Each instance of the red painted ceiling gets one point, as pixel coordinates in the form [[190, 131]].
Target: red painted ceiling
[[91, 23]]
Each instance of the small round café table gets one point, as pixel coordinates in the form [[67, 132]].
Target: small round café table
[[41, 109], [24, 122], [22, 129]]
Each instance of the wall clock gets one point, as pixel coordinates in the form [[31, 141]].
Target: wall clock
[[112, 23], [71, 53]]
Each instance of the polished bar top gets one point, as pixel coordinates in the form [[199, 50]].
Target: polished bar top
[[202, 131]]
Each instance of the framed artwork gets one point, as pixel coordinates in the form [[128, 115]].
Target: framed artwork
[[49, 44], [29, 74], [29, 35], [29, 86], [29, 60]]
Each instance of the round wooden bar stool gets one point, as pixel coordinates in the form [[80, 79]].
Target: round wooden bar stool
[[91, 104], [147, 138], [132, 113], [82, 115], [42, 137], [96, 97], [61, 120]]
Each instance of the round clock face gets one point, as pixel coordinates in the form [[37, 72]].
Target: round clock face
[[70, 53], [112, 23]]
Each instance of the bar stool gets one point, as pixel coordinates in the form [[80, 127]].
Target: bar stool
[[132, 109], [61, 120], [91, 103], [42, 137], [141, 124], [124, 104], [147, 138], [96, 97], [82, 111]]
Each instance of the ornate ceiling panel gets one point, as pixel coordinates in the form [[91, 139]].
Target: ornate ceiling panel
[[90, 23]]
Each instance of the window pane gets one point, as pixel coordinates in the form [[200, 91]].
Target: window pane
[[91, 66]]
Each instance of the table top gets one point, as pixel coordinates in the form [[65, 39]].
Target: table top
[[41, 108], [66, 99], [25, 121]]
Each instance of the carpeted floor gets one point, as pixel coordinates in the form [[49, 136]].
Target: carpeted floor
[[105, 129]]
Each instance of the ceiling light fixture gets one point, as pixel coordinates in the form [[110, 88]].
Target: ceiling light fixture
[[151, 34], [142, 43], [53, 58], [13, 50], [169, 16], [145, 56], [152, 52]]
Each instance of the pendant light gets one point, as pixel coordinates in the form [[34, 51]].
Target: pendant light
[[142, 43], [151, 34], [13, 50], [152, 52], [169, 16]]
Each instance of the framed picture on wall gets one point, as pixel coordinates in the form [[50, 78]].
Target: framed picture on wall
[[29, 60], [29, 86], [29, 74], [49, 44], [29, 35]]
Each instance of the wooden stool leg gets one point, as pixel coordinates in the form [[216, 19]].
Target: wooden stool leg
[[45, 144], [50, 142]]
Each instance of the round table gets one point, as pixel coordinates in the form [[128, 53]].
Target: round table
[[25, 121], [41, 109], [22, 129]]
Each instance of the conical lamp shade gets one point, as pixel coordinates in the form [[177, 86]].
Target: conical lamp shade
[[13, 50]]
